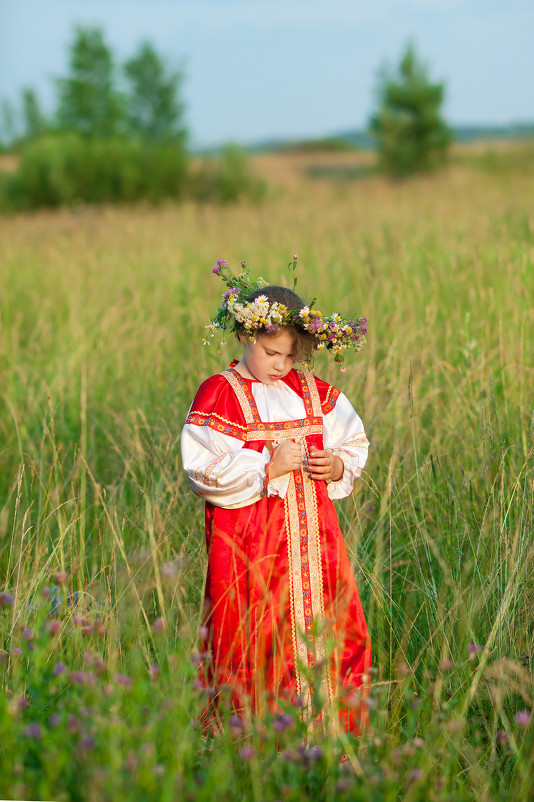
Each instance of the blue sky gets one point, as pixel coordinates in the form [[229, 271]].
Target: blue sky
[[258, 69]]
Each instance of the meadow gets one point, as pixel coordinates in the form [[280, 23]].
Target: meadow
[[102, 553]]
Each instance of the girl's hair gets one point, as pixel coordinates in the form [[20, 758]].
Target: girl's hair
[[304, 341]]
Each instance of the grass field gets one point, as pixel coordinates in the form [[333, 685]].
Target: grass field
[[100, 355]]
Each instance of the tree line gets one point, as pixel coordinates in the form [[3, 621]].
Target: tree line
[[118, 133], [99, 99]]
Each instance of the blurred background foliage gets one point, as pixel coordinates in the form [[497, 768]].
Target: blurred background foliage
[[117, 135]]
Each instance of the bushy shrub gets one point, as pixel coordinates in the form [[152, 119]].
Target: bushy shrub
[[66, 168], [227, 178]]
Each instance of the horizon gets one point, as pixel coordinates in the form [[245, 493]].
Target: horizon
[[320, 75]]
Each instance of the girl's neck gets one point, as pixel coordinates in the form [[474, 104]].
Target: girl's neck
[[242, 370]]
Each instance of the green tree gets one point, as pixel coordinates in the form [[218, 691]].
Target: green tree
[[154, 109], [33, 119], [410, 131], [89, 101], [9, 129]]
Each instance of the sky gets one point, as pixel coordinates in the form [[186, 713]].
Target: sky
[[262, 69]]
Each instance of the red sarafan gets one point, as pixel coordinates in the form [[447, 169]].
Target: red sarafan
[[283, 617]]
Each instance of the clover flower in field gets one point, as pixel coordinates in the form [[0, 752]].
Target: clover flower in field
[[33, 730], [247, 752], [54, 719], [415, 774], [154, 671], [53, 627], [87, 743], [473, 649], [282, 721], [158, 625], [123, 679], [236, 723], [503, 737], [289, 756], [523, 718], [58, 669], [315, 753], [203, 633], [7, 600]]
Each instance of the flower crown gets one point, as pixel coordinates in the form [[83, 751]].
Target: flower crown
[[251, 317]]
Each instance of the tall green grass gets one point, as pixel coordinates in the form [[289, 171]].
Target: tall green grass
[[101, 327]]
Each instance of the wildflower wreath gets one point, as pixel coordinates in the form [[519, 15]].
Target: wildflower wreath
[[236, 312]]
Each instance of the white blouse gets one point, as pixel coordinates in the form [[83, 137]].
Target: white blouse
[[223, 472]]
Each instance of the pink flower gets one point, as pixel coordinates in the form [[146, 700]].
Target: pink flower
[[523, 718], [219, 264]]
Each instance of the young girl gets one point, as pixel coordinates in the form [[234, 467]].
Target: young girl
[[269, 447]]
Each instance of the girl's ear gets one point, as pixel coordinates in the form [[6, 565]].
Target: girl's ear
[[241, 338]]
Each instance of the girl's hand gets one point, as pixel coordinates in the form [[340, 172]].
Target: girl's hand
[[324, 465], [286, 457]]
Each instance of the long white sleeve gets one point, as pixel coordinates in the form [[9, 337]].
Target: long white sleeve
[[220, 470], [344, 436]]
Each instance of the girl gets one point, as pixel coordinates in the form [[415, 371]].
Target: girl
[[269, 447]]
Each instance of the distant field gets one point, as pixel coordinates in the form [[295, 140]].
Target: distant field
[[101, 322]]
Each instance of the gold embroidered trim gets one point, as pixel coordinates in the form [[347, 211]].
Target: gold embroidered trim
[[241, 395], [208, 470], [358, 441], [331, 399], [298, 623], [220, 417], [316, 580], [257, 433], [314, 393]]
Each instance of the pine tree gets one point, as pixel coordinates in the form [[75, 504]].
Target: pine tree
[[410, 131]]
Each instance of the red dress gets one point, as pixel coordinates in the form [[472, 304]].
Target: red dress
[[283, 612]]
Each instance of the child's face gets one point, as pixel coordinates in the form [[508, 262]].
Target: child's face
[[271, 357]]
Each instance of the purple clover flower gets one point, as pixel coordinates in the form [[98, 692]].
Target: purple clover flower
[[7, 600], [59, 669], [282, 722], [247, 753], [219, 264], [88, 742], [33, 730], [523, 718], [415, 774], [123, 679], [473, 649], [316, 324]]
